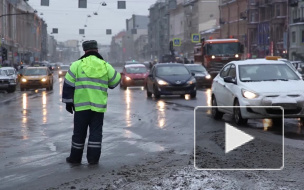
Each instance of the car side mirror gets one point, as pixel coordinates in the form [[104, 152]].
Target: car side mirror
[[150, 75], [121, 73], [193, 74], [50, 74], [229, 79]]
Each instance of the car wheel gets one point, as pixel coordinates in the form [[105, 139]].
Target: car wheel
[[123, 86], [237, 115], [277, 123], [149, 94], [216, 114], [11, 89], [155, 92], [193, 95]]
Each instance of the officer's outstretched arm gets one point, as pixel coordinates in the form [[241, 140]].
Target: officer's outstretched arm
[[114, 77], [69, 86]]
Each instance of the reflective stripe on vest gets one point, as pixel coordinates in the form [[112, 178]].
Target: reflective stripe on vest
[[91, 87], [91, 80], [90, 104], [113, 78], [72, 75]]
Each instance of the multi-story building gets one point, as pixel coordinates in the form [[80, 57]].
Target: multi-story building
[[117, 51], [140, 48], [158, 30], [261, 25], [233, 19], [136, 26], [52, 44], [176, 22], [267, 27], [22, 32], [189, 17], [296, 30]]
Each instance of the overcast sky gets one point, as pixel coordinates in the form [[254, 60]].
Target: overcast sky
[[68, 18]]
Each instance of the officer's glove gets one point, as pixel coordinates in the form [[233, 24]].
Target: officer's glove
[[70, 107]]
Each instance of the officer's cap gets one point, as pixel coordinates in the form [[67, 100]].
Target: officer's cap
[[89, 45]]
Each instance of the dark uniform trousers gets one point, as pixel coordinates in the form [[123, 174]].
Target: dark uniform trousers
[[83, 120]]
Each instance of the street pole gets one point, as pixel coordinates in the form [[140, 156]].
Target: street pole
[[1, 48]]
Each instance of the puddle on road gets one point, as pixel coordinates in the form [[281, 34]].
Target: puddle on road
[[51, 146], [146, 146], [293, 128]]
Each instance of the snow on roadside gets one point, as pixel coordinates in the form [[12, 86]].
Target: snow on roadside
[[175, 178]]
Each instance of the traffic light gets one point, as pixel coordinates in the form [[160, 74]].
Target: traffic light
[[4, 54]]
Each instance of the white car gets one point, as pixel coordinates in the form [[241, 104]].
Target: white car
[[11, 71], [7, 82], [257, 82]]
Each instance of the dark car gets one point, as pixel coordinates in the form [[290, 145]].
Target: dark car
[[63, 70], [170, 79], [203, 78], [133, 75]]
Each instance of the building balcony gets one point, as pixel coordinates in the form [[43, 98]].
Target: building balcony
[[293, 3], [297, 20]]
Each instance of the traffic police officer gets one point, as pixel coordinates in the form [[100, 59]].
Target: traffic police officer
[[85, 92]]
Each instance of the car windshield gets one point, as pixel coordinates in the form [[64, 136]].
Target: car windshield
[[171, 70], [266, 72], [10, 71], [222, 48], [131, 62], [133, 70], [196, 68], [34, 72], [65, 68], [3, 73]]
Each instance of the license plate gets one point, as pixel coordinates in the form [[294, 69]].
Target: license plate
[[224, 58], [178, 92]]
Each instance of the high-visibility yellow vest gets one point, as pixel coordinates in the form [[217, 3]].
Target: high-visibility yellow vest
[[91, 78]]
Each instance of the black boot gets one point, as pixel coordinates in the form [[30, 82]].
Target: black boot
[[70, 161]]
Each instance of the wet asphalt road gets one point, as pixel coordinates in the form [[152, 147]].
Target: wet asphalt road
[[36, 130]]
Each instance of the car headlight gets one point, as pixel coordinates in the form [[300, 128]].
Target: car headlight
[[236, 55], [212, 57], [192, 81], [248, 94], [43, 80], [162, 82], [208, 76], [23, 80], [128, 78], [60, 72]]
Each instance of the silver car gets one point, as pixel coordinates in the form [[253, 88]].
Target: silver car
[[7, 82]]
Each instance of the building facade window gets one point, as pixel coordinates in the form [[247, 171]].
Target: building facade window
[[278, 9], [293, 37]]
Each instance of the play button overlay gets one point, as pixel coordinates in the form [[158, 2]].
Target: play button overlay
[[231, 142], [221, 144]]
